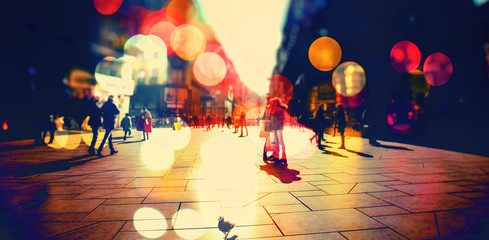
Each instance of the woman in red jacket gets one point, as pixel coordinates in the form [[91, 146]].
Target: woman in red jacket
[[144, 123]]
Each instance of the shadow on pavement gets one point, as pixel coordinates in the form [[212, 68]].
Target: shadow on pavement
[[126, 142], [281, 171], [391, 147], [360, 153], [49, 167], [333, 153], [10, 148]]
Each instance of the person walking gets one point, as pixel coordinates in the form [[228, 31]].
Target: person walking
[[340, 121], [277, 113], [94, 122], [242, 123], [126, 125], [109, 111], [319, 125]]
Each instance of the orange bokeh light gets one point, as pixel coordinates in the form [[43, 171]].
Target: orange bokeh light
[[325, 53], [209, 69], [188, 42], [5, 125]]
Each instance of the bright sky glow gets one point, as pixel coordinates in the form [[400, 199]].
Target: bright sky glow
[[250, 32]]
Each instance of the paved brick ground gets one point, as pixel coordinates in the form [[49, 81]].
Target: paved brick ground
[[177, 184]]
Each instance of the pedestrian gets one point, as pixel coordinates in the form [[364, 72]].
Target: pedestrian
[[109, 111], [277, 113], [340, 121], [144, 123], [319, 125], [236, 124], [369, 129], [208, 122], [94, 122], [242, 123], [126, 125]]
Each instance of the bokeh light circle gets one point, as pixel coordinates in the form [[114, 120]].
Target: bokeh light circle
[[107, 7], [66, 135], [209, 69], [352, 101], [281, 87], [418, 85], [405, 56], [156, 156], [349, 79], [437, 69], [189, 224], [325, 53], [164, 30], [188, 41], [150, 223], [402, 114]]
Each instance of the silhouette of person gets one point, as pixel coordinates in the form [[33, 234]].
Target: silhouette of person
[[340, 120], [242, 123], [126, 125], [319, 125], [277, 113], [47, 125], [208, 122], [109, 111], [94, 122], [369, 128]]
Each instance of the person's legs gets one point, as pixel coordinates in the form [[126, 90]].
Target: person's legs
[[111, 145], [319, 138], [144, 136], [282, 144], [342, 132], [101, 147], [246, 127], [91, 149], [276, 147], [125, 134]]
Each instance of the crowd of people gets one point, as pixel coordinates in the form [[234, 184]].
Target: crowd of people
[[274, 115]]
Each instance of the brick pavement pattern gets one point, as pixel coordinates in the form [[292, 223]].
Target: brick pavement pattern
[[177, 184]]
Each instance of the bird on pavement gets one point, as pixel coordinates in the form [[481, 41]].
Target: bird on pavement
[[225, 226]]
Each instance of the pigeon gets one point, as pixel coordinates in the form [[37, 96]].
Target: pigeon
[[225, 226]]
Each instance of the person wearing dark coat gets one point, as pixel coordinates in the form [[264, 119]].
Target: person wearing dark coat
[[109, 111], [94, 122], [126, 125], [319, 122]]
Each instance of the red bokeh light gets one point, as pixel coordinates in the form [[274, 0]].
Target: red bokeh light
[[170, 15], [281, 87], [107, 7], [437, 69], [352, 101], [405, 56]]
